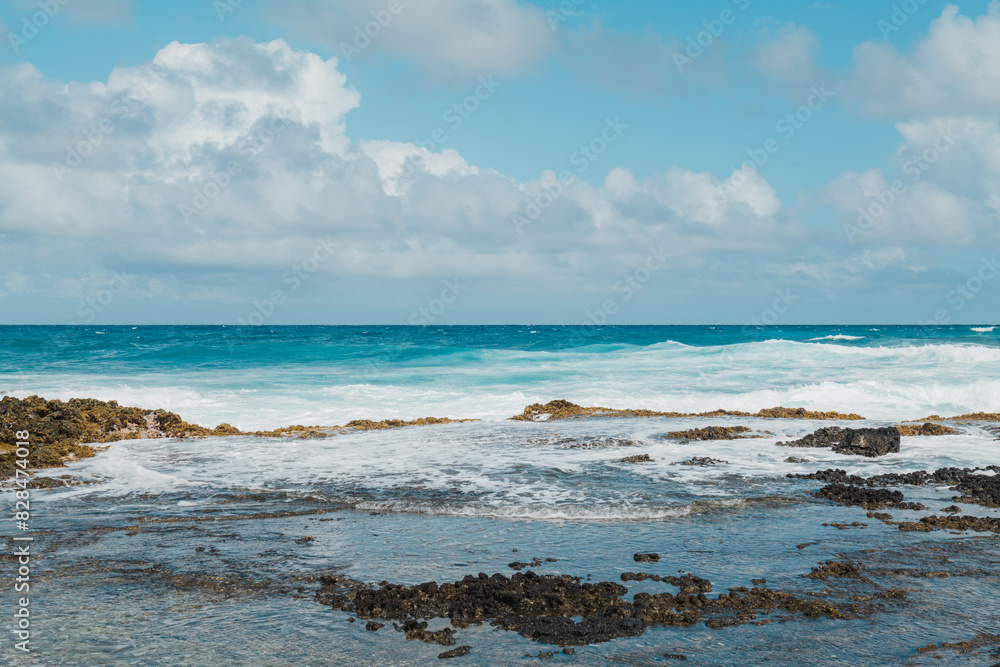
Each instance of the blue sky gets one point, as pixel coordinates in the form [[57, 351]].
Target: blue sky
[[345, 186]]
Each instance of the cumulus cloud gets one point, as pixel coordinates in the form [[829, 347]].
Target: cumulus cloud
[[787, 53], [234, 158], [450, 40], [941, 188], [955, 68], [102, 12]]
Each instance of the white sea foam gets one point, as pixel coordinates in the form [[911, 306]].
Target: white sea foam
[[887, 382], [983, 329], [838, 337]]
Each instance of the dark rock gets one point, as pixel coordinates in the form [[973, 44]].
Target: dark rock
[[374, 626], [646, 558], [455, 652], [870, 499], [829, 436], [674, 656], [688, 583], [564, 631], [701, 461], [870, 442], [637, 458], [711, 433]]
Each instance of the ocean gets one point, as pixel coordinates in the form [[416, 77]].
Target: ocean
[[195, 551]]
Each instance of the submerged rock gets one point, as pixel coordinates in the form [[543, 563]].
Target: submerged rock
[[560, 609], [712, 433]]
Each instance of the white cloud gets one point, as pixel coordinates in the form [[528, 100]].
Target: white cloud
[[942, 189], [160, 138], [786, 53], [103, 12], [955, 68], [452, 40]]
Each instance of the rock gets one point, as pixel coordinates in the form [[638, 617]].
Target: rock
[[455, 652], [925, 429], [795, 459], [374, 626], [637, 458], [853, 441], [870, 442], [870, 499], [711, 433], [646, 558], [688, 583], [829, 436], [701, 461], [564, 631]]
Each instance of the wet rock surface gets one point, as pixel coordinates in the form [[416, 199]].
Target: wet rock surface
[[712, 433], [974, 485], [564, 611], [701, 461], [867, 498], [637, 458], [869, 442], [687, 583], [927, 428], [563, 409], [828, 436]]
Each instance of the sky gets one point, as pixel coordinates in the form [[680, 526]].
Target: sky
[[442, 162]]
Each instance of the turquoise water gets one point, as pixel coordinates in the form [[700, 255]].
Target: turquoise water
[[268, 377], [119, 550]]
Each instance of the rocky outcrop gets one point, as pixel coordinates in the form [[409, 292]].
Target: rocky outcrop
[[563, 409], [712, 433], [66, 430], [563, 610], [869, 442], [62, 431], [870, 499]]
